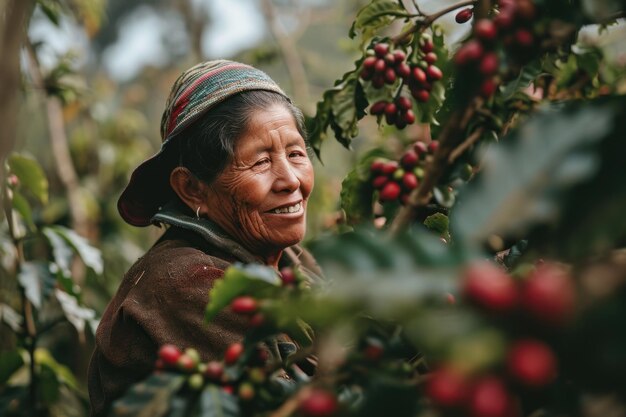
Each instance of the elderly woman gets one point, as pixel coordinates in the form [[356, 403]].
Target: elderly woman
[[230, 184]]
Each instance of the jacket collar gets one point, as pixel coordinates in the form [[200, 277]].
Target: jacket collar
[[175, 215]]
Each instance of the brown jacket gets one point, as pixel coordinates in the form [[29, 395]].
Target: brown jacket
[[161, 300]]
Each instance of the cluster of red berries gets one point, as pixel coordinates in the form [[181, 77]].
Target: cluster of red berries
[[398, 112], [318, 402], [530, 365], [512, 26], [395, 180], [170, 357], [383, 66], [547, 295]]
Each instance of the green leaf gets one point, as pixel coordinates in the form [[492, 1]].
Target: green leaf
[[62, 373], [37, 281], [357, 191], [240, 279], [524, 176], [52, 10], [61, 251], [10, 361], [378, 14], [10, 317], [439, 223], [21, 205], [526, 76], [150, 397], [77, 315], [91, 256], [31, 176], [215, 402]]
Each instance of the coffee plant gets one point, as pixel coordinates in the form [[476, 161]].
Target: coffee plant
[[479, 268], [466, 279]]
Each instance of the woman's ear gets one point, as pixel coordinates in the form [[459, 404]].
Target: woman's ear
[[189, 189]]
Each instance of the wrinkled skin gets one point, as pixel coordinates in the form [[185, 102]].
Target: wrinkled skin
[[270, 169]]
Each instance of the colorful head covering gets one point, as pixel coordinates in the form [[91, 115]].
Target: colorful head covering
[[195, 92]]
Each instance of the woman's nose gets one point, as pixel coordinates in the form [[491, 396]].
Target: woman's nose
[[285, 177]]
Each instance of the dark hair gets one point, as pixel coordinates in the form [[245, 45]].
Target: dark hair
[[208, 143]]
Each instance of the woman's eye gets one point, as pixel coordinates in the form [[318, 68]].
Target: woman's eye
[[262, 162]]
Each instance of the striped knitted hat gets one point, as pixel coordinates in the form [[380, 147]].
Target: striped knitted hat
[[195, 92]]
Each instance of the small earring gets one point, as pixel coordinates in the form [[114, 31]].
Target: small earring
[[198, 213]]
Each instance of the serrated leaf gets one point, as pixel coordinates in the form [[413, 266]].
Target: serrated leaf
[[76, 314], [215, 402], [10, 361], [240, 279], [31, 176], [524, 175], [150, 397], [376, 15], [90, 255]]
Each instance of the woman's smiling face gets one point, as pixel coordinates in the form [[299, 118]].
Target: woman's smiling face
[[260, 198]]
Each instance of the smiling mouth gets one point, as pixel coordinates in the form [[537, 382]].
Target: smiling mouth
[[289, 209]]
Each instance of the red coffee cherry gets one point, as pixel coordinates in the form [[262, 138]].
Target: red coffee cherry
[[390, 167], [378, 107], [447, 388], [470, 52], [433, 146], [399, 56], [489, 287], [318, 403], [489, 64], [464, 15], [380, 65], [427, 45], [403, 70], [420, 95], [369, 62], [531, 363], [391, 109], [525, 10], [244, 305], [420, 147], [430, 58], [287, 276], [186, 363], [381, 49], [366, 74], [409, 159], [390, 75], [409, 181], [504, 19], [233, 353], [524, 38], [169, 354], [486, 30], [377, 166], [489, 397], [418, 75], [488, 87], [404, 103], [380, 181], [214, 370], [434, 73], [408, 117], [373, 350], [548, 295], [390, 191]]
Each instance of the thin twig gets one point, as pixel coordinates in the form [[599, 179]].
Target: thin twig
[[467, 143], [428, 20]]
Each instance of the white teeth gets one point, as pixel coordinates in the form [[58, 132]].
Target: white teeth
[[291, 209]]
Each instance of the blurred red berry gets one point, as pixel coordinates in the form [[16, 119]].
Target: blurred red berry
[[409, 181], [318, 403], [169, 354], [390, 191], [486, 30], [549, 296], [447, 388], [233, 352], [214, 370], [287, 275], [380, 181], [434, 73], [381, 49], [489, 397], [378, 107], [531, 363], [244, 305], [430, 58], [489, 287]]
